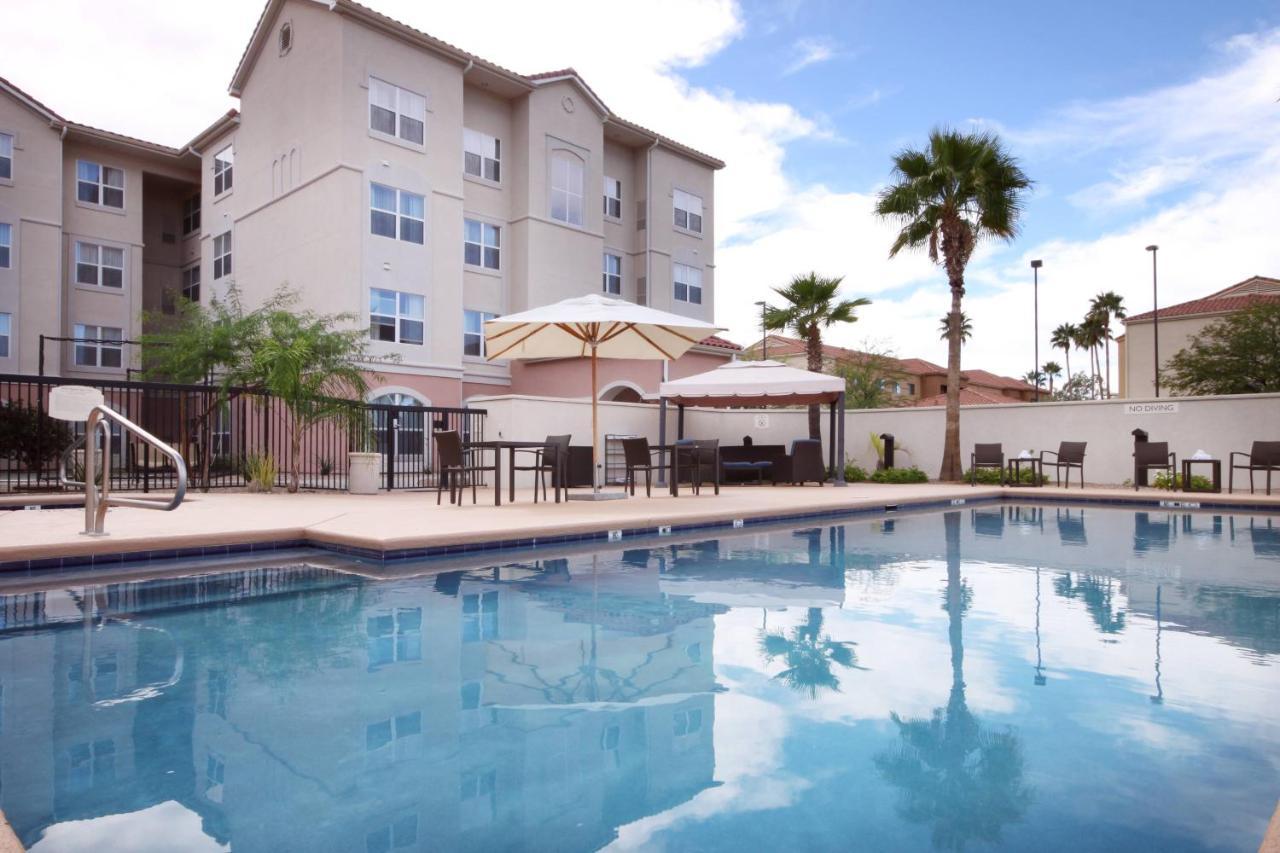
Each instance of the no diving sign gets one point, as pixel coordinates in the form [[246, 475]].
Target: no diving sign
[[1150, 408]]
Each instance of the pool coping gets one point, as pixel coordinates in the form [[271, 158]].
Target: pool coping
[[439, 545]]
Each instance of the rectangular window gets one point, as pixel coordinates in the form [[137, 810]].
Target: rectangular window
[[99, 346], [612, 197], [99, 266], [688, 282], [612, 274], [473, 332], [394, 636], [396, 317], [6, 331], [96, 184], [395, 212], [479, 617], [222, 256], [6, 244], [6, 156], [396, 112], [688, 211], [566, 188], [191, 215], [223, 170], [481, 244], [481, 155], [191, 283]]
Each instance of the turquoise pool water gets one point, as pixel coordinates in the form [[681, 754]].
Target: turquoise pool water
[[989, 678]]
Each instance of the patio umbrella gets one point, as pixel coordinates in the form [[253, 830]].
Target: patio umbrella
[[595, 326]]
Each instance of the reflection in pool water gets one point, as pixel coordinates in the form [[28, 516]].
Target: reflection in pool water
[[1001, 677]]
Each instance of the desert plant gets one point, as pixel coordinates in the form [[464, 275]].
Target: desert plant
[[1199, 483], [900, 475], [260, 472], [991, 477], [854, 473]]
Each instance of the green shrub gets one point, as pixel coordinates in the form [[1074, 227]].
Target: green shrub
[[1199, 483], [30, 437], [854, 473], [991, 477], [260, 471], [900, 475]]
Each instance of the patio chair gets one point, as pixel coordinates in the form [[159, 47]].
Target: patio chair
[[1152, 456], [700, 458], [806, 462], [1264, 456], [986, 456], [551, 457], [1070, 455], [638, 456], [456, 464]]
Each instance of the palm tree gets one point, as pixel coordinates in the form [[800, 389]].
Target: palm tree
[[966, 328], [963, 188], [1107, 306], [1064, 338], [1034, 377], [1090, 337], [809, 655], [1051, 369], [812, 305]]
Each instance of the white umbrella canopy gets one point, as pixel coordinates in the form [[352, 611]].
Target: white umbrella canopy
[[758, 383], [594, 326]]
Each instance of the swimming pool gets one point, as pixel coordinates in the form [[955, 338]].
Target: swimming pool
[[993, 677]]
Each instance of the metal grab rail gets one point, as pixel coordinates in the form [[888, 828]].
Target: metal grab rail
[[97, 500]]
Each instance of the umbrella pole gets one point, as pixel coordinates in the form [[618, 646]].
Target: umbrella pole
[[595, 429]]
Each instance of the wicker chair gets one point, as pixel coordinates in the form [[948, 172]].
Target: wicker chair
[[638, 456], [1070, 455], [806, 462], [551, 457], [1152, 456], [457, 465], [1264, 456], [986, 456]]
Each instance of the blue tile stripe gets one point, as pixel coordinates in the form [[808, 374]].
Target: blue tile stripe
[[419, 553]]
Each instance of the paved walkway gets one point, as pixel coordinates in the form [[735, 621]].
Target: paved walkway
[[412, 520]]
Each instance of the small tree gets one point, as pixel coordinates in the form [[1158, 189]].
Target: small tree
[[31, 437], [1239, 354], [867, 377]]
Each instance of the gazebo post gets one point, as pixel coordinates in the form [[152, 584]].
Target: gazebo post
[[679, 421], [662, 441], [840, 443], [831, 437]]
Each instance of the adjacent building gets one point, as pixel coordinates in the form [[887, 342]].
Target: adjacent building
[[1178, 325], [378, 172]]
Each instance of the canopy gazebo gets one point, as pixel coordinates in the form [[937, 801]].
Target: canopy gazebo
[[746, 384]]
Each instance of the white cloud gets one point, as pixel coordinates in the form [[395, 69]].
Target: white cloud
[[810, 51]]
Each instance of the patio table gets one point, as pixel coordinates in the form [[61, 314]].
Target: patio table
[[497, 446], [1215, 470], [672, 451], [1015, 464]]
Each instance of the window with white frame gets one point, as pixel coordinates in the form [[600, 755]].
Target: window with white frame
[[222, 256], [223, 170], [566, 188], [481, 244], [688, 211], [191, 283], [99, 346], [612, 197], [191, 215], [6, 330], [396, 112], [396, 317], [473, 332], [394, 636], [394, 212], [6, 156], [6, 245], [98, 184], [688, 283], [481, 155], [99, 266], [612, 274]]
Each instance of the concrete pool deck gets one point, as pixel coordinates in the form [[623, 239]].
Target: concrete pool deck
[[395, 523]]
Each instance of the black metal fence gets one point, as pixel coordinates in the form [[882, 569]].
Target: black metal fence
[[219, 437]]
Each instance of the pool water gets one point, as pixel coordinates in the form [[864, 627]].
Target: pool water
[[990, 678]]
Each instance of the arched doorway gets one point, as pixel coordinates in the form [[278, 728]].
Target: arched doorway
[[400, 433]]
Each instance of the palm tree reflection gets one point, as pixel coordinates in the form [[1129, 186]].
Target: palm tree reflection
[[809, 654], [1098, 595], [962, 779]]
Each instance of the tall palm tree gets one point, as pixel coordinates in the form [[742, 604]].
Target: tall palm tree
[[960, 189], [1090, 337], [1108, 306], [809, 655], [1064, 338], [813, 304], [1051, 369], [966, 328]]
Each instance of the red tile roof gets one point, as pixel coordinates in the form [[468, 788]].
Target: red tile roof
[[920, 367], [1208, 305], [993, 380], [717, 341], [968, 397]]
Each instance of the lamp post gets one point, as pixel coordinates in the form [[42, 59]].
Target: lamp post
[[1155, 315], [1035, 373], [764, 336]]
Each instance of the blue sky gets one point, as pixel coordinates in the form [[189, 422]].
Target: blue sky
[[1140, 122]]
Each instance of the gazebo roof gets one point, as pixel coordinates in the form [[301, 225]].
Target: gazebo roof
[[753, 383]]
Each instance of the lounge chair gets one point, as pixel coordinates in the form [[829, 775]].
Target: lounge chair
[[806, 462], [638, 456], [1264, 456], [1070, 455], [550, 458], [986, 456], [456, 463], [1152, 456]]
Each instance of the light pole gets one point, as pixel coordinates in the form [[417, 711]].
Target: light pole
[[1035, 373], [1155, 315], [764, 336]]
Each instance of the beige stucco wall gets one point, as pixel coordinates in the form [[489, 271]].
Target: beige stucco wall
[[1139, 350]]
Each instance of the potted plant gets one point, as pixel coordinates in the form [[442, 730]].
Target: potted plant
[[363, 460]]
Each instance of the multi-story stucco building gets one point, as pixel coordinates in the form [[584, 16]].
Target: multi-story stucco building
[[375, 170]]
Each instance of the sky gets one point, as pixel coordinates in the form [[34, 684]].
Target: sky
[[1140, 123]]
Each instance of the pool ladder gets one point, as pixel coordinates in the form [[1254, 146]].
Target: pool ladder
[[97, 499]]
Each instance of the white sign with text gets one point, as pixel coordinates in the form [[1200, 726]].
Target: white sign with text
[[1150, 408]]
